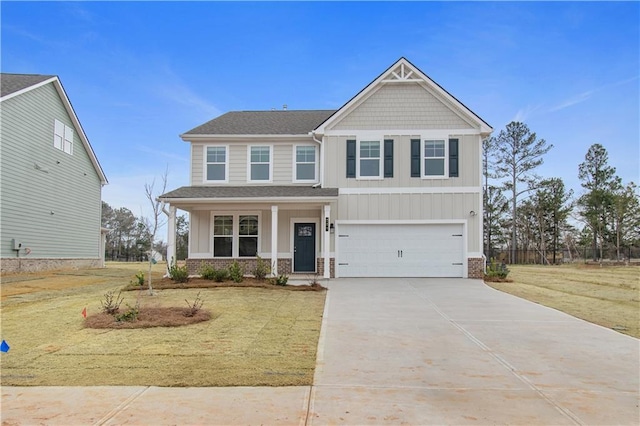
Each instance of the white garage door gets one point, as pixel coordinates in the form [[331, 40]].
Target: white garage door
[[400, 250]]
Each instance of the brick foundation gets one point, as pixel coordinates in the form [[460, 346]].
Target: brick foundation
[[18, 265], [332, 267], [475, 267], [249, 265]]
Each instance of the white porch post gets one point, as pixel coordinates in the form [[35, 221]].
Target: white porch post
[[274, 241], [326, 243], [171, 235]]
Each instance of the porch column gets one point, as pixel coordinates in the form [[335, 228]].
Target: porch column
[[171, 236], [326, 243], [274, 241]]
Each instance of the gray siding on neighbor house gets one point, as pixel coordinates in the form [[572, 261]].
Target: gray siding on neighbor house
[[38, 179]]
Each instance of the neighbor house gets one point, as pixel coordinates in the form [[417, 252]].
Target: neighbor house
[[388, 185], [50, 179]]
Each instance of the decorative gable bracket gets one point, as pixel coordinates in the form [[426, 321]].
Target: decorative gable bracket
[[401, 75]]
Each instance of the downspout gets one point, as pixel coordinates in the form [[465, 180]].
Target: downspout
[[321, 165]]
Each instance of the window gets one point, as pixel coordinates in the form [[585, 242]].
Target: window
[[236, 235], [305, 163], [434, 158], [248, 236], [260, 163], [222, 236], [369, 159], [216, 164], [63, 137]]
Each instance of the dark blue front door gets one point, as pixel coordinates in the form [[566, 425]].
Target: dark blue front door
[[304, 247]]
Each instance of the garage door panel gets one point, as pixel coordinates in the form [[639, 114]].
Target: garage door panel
[[400, 250]]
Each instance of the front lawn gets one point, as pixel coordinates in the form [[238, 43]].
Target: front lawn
[[256, 337]]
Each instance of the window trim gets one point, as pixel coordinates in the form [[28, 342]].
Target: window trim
[[205, 163], [380, 175], [249, 163], [59, 126], [316, 169], [235, 241], [445, 158]]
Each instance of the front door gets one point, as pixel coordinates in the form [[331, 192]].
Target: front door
[[304, 247]]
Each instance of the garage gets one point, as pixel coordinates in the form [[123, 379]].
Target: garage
[[400, 250]]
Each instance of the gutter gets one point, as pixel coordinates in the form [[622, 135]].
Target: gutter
[[321, 165]]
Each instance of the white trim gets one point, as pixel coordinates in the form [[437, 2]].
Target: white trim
[[294, 168], [29, 88], [445, 159], [249, 163], [326, 234], [203, 256], [205, 163], [274, 240], [403, 132], [292, 222], [195, 138], [235, 233], [474, 255], [380, 175], [414, 190], [271, 200]]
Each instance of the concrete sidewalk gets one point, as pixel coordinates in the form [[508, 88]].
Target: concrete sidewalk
[[398, 351]]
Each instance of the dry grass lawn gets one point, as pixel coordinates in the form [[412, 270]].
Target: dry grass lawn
[[256, 337], [608, 295]]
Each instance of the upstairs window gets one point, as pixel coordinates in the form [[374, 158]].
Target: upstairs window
[[63, 137], [259, 163], [369, 159], [216, 164], [434, 158], [305, 164]]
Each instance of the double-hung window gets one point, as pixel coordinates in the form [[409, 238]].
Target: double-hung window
[[216, 164], [236, 235], [434, 158], [305, 164], [259, 164], [369, 159], [62, 137]]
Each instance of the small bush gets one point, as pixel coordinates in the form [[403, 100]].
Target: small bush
[[179, 274], [281, 279], [220, 275], [497, 269], [111, 303], [130, 315], [194, 307], [207, 272], [236, 272], [262, 269], [138, 279]]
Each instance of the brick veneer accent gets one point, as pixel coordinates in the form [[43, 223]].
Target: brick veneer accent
[[475, 267], [249, 265], [17, 265], [332, 267]]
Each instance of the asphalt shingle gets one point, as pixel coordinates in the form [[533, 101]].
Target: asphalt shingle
[[10, 83], [249, 192]]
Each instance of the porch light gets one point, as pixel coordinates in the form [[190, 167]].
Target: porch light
[[472, 213], [332, 228]]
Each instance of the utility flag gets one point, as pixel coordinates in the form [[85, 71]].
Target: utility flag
[[4, 346], [84, 312]]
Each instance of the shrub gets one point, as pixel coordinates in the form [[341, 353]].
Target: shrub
[[139, 279], [220, 275], [262, 269], [281, 279], [497, 269], [130, 315], [179, 274], [236, 272], [111, 303], [194, 307], [207, 272]]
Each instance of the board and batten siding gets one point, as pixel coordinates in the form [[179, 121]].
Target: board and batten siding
[[402, 106], [51, 201], [282, 161]]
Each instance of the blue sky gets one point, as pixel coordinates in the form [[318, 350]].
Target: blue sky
[[139, 74]]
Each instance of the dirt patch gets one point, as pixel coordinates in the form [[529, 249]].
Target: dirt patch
[[167, 283], [150, 317]]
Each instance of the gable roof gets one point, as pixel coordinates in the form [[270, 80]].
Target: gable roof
[[12, 83], [16, 84], [280, 122], [413, 74]]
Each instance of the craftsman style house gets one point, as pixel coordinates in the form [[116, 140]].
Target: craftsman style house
[[51, 180], [388, 185]]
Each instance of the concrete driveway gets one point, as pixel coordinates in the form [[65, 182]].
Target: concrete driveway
[[398, 351]]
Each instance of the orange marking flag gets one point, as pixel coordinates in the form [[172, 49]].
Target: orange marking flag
[[84, 312]]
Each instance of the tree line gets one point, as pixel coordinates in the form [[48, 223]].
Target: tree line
[[129, 237], [530, 218]]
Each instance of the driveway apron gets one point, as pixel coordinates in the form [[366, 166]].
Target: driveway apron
[[455, 351]]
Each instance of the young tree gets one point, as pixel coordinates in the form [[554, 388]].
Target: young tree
[[554, 203], [598, 178], [519, 152], [155, 221]]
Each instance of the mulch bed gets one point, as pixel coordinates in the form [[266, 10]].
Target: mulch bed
[[149, 317], [167, 283]]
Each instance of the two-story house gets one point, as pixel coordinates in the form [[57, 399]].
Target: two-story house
[[50, 179], [388, 185]]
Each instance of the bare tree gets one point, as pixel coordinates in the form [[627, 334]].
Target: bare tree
[[154, 222]]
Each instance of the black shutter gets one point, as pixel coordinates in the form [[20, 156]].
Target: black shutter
[[351, 158], [415, 157], [453, 157], [388, 158]]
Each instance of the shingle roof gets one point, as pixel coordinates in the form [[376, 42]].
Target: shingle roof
[[293, 122], [250, 192], [10, 83]]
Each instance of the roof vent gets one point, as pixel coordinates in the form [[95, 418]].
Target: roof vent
[[284, 107]]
